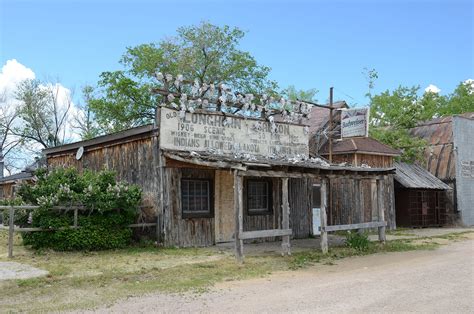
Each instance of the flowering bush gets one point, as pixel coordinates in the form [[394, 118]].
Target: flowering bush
[[110, 207]]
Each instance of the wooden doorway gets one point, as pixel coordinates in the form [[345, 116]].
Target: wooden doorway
[[224, 206]]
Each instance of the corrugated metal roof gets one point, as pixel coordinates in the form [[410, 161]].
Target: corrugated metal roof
[[416, 177], [359, 145], [439, 154]]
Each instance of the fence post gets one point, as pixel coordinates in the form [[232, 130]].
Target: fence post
[[75, 217], [10, 231]]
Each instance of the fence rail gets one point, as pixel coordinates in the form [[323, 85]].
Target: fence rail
[[12, 229]]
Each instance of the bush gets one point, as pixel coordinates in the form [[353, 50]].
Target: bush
[[358, 241], [99, 231], [110, 207]]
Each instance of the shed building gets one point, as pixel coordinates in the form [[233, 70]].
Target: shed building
[[449, 157], [420, 197]]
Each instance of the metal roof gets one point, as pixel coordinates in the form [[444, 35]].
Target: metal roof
[[416, 177], [439, 155]]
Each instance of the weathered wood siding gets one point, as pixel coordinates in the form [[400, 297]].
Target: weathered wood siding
[[377, 161], [134, 161], [347, 207], [187, 232], [300, 199]]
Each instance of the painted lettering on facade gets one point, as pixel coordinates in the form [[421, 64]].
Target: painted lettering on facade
[[202, 132]]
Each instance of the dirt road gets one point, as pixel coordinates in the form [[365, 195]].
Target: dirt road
[[421, 281]]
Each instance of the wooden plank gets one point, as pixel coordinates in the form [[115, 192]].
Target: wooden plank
[[276, 174], [285, 210], [324, 234], [265, 233], [11, 228], [364, 225], [381, 210], [211, 164], [238, 209]]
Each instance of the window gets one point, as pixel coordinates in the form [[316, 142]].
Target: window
[[196, 198], [259, 197], [316, 196]]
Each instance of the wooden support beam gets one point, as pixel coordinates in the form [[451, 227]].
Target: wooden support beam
[[11, 229], [264, 233], [75, 217], [381, 210], [285, 212], [277, 174], [363, 225], [324, 234], [238, 209], [205, 163]]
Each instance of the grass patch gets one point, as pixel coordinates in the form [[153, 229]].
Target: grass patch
[[80, 280]]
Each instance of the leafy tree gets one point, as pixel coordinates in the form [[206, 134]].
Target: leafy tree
[[293, 94], [85, 121], [461, 100], [43, 113], [205, 52]]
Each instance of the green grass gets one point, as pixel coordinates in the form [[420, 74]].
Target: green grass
[[79, 280]]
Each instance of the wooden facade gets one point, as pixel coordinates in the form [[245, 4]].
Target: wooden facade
[[136, 157]]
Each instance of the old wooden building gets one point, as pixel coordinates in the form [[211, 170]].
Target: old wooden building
[[207, 181]]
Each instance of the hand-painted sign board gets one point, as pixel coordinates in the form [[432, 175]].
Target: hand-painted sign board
[[214, 132]]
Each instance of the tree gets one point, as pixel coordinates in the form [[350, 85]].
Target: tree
[[8, 141], [293, 94], [205, 52], [43, 111], [461, 100], [84, 121]]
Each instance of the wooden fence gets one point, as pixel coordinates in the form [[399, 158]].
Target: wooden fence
[[11, 223]]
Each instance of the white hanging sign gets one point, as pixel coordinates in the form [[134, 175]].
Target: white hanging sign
[[355, 122]]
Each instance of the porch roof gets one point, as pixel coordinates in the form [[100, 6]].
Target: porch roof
[[246, 162], [415, 177]]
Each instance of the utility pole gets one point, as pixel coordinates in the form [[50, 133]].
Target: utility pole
[[330, 122]]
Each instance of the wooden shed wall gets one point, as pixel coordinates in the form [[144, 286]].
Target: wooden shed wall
[[346, 206], [133, 161], [184, 232]]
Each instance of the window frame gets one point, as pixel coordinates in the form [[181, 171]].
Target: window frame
[[254, 212], [190, 214]]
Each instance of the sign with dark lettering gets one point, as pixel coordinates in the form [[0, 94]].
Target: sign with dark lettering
[[354, 122], [208, 132]]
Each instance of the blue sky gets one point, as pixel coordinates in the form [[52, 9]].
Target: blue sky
[[309, 44]]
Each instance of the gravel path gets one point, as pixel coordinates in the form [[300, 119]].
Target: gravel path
[[12, 270], [420, 281]]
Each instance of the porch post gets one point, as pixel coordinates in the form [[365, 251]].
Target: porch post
[[238, 209], [380, 202], [285, 211], [324, 234]]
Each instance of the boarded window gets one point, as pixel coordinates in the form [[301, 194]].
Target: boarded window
[[196, 198], [316, 196], [259, 197]]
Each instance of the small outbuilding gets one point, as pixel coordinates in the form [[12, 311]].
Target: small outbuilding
[[420, 197]]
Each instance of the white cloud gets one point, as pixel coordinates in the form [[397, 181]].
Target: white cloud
[[432, 89], [11, 74]]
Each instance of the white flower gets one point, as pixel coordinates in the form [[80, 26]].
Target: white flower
[[179, 78], [170, 97], [222, 99], [205, 103], [159, 76], [169, 77], [191, 109]]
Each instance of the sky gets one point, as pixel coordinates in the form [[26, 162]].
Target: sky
[[309, 44]]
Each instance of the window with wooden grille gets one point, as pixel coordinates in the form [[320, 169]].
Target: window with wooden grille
[[196, 200], [259, 197]]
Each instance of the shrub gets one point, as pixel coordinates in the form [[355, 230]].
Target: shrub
[[110, 207], [358, 241]]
